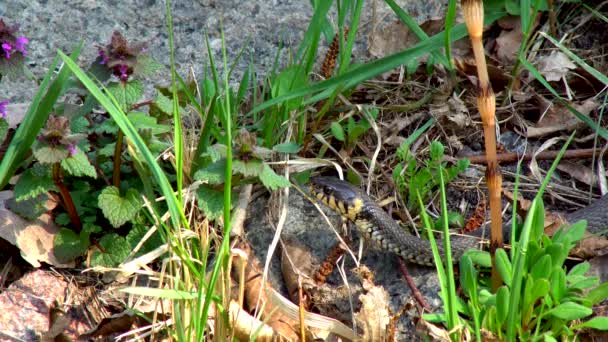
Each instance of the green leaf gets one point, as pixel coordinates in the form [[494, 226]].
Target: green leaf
[[502, 304], [214, 173], [290, 78], [598, 323], [116, 251], [146, 65], [558, 283], [337, 131], [108, 126], [126, 94], [570, 311], [119, 210], [79, 125], [137, 233], [3, 129], [30, 208], [62, 219], [504, 267], [468, 276], [578, 270], [51, 154], [598, 294], [144, 121], [481, 258], [290, 147], [271, 180], [68, 245], [107, 150], [541, 267], [33, 182], [79, 165], [437, 151], [211, 202], [585, 283], [163, 104], [251, 168]]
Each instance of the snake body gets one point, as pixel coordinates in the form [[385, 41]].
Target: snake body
[[376, 225]]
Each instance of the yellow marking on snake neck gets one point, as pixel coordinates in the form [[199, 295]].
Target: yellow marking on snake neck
[[343, 210], [332, 203], [354, 209]]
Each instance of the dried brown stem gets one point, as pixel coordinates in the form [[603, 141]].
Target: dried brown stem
[[66, 197], [486, 101]]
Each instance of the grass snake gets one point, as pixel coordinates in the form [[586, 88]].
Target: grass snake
[[374, 223]]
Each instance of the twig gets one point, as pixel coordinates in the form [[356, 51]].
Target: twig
[[410, 282], [545, 155]]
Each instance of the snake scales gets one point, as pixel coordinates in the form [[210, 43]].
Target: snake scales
[[373, 222]]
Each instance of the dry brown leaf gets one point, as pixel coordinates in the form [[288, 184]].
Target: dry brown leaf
[[552, 220], [452, 111], [374, 315], [578, 171], [590, 246], [509, 40], [256, 295], [555, 66], [388, 40], [296, 264], [33, 238], [436, 333], [244, 325], [559, 118]]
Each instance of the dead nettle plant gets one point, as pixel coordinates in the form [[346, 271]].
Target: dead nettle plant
[[80, 145]]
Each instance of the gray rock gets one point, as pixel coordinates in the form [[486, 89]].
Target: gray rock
[[258, 26], [305, 225]]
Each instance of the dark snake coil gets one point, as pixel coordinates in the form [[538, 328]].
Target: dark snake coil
[[375, 224]]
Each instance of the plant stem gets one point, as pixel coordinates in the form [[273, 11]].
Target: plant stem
[[117, 159], [68, 203]]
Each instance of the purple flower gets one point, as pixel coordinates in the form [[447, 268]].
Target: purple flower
[[72, 149], [20, 45], [123, 69], [7, 50], [3, 105], [103, 56]]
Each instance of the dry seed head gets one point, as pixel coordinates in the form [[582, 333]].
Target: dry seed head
[[329, 63], [486, 102], [472, 11]]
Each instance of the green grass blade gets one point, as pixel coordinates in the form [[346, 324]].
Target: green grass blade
[[224, 250], [451, 311], [312, 35], [178, 142], [34, 119]]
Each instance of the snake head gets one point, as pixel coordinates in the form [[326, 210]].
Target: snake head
[[337, 194]]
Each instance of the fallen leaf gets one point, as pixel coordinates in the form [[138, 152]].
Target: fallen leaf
[[555, 66], [33, 238], [374, 315], [559, 118], [509, 40], [578, 171], [453, 111]]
